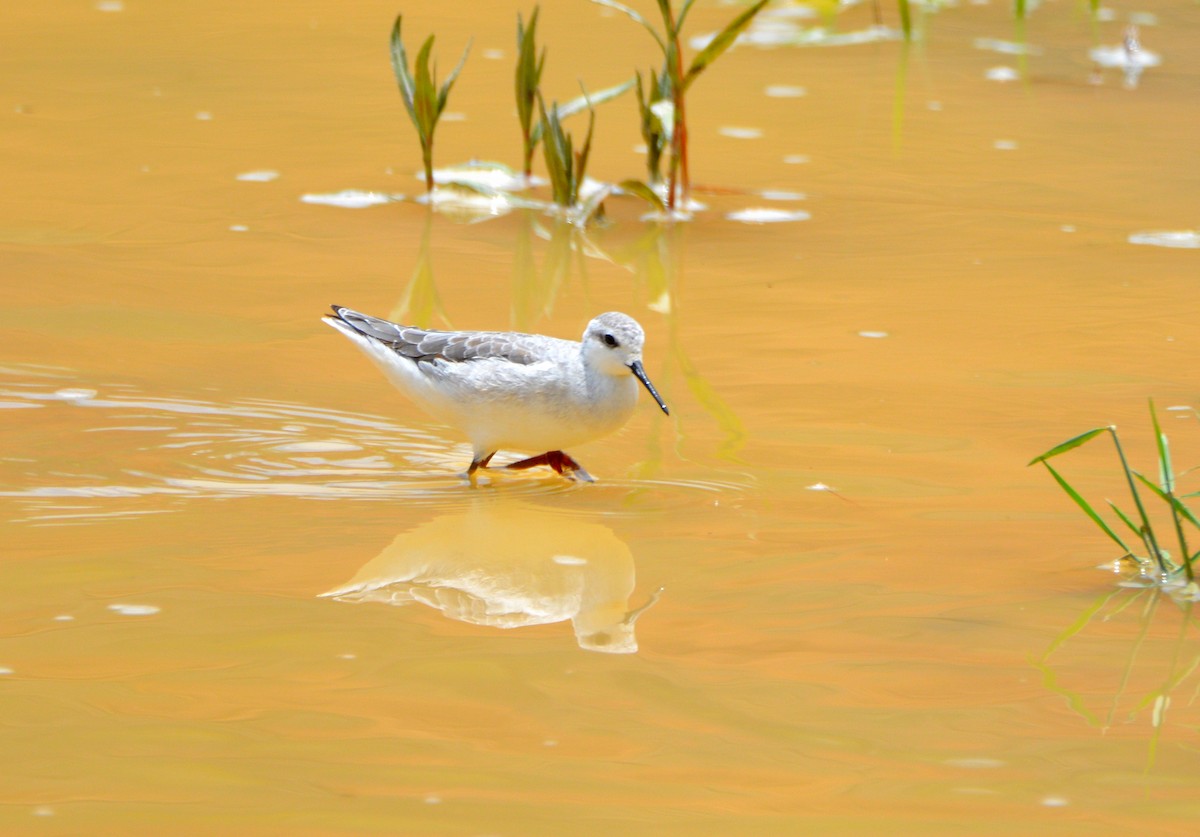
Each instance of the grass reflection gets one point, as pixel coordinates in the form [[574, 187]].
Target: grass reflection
[[657, 258], [420, 302], [1143, 681]]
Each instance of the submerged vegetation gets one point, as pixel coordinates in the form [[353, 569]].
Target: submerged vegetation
[[1157, 562]]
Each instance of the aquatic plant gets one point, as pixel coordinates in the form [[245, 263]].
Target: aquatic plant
[[654, 133], [666, 103], [528, 83], [528, 79], [1165, 489], [423, 98], [566, 167]]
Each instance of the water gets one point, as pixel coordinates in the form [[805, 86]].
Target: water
[[872, 614]]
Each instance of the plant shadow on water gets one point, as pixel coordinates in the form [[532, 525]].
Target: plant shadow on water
[[503, 564]]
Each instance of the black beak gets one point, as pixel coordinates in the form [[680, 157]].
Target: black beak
[[636, 368]]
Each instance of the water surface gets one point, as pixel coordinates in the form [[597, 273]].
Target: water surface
[[912, 277]]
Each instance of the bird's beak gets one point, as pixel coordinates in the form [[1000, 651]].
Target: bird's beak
[[636, 368]]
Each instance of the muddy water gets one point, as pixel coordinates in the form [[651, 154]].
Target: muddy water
[[190, 460]]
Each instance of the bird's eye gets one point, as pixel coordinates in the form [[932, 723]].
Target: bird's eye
[[610, 341]]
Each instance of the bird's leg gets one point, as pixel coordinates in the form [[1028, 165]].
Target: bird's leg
[[477, 463], [534, 461], [559, 461]]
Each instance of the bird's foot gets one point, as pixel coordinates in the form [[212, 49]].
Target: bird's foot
[[559, 461], [476, 464]]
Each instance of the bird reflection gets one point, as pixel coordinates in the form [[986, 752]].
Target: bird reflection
[[507, 565]]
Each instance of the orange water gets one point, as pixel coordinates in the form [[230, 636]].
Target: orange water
[[926, 649]]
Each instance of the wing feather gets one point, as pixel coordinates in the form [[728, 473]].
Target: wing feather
[[428, 345]]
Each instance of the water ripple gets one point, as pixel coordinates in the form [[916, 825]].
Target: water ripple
[[133, 454]]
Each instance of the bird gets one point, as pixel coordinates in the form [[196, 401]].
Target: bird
[[508, 390]]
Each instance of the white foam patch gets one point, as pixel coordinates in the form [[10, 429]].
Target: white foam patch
[[739, 132], [767, 215], [258, 176], [1006, 47], [1180, 239], [349, 198], [780, 195], [134, 609], [74, 394], [1120, 56], [1002, 74], [785, 91]]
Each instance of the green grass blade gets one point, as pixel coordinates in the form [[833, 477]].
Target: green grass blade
[[557, 151], [589, 100], [426, 98], [585, 101], [1085, 506], [400, 68], [1070, 444], [1184, 512], [720, 43], [581, 158], [450, 79], [529, 70], [683, 13], [1146, 529], [1166, 475], [668, 18], [641, 190], [632, 15], [1152, 485], [1124, 518], [651, 133]]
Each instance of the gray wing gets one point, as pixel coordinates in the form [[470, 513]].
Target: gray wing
[[426, 345]]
